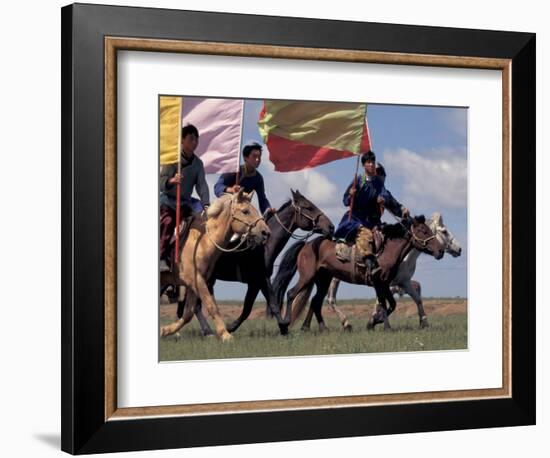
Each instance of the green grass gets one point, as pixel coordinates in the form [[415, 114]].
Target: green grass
[[261, 338]]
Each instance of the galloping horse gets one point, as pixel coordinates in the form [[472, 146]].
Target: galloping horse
[[317, 263], [228, 215], [402, 283], [255, 266]]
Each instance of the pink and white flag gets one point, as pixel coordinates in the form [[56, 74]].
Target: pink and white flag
[[219, 122]]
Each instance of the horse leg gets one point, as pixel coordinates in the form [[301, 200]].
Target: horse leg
[[333, 289], [181, 299], [186, 317], [250, 297], [322, 281], [208, 300], [306, 325], [267, 291], [206, 330], [380, 314], [391, 301], [385, 313], [413, 289]]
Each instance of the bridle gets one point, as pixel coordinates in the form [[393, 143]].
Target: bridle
[[243, 237], [298, 212], [422, 242]]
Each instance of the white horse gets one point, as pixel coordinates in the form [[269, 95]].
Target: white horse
[[403, 282]]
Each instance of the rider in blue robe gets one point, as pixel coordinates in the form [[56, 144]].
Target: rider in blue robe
[[370, 194]]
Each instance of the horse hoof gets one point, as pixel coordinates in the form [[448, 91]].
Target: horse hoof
[[370, 326], [177, 337], [226, 337], [283, 328], [305, 329], [424, 323], [348, 327]]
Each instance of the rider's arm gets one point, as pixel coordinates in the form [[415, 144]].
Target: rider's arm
[[347, 195], [166, 173], [262, 198], [391, 203], [225, 181]]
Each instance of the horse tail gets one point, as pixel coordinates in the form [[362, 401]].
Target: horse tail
[[286, 271], [299, 302]]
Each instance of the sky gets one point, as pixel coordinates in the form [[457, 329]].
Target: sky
[[424, 152]]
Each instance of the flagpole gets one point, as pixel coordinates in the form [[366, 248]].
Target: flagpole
[[354, 187], [237, 178], [178, 189]]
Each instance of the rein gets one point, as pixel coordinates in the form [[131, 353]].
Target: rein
[[297, 211], [423, 242], [244, 237]]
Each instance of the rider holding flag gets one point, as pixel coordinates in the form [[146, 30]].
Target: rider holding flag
[[365, 196]]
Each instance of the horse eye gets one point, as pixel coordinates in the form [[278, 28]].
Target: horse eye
[[246, 212]]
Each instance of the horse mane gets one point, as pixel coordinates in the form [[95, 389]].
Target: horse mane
[[281, 208], [393, 231], [219, 204]]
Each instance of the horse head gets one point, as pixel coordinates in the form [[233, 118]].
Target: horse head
[[246, 220], [309, 217], [236, 212], [445, 237], [423, 239]]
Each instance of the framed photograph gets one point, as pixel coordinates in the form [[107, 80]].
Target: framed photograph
[[221, 168]]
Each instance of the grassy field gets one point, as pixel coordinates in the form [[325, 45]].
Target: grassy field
[[259, 337]]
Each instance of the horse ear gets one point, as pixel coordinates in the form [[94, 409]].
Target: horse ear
[[293, 193], [249, 195], [420, 219], [239, 195], [437, 218]]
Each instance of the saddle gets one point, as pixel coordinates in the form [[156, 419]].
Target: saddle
[[348, 252]]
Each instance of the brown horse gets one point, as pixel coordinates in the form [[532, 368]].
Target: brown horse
[[228, 215], [317, 264]]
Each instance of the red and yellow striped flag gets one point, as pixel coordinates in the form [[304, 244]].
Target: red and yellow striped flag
[[300, 135]]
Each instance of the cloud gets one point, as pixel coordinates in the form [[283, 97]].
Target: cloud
[[437, 179], [312, 184]]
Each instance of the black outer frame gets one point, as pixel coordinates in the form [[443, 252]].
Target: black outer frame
[[84, 429]]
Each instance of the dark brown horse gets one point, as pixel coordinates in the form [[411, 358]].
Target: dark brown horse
[[255, 266], [317, 264]]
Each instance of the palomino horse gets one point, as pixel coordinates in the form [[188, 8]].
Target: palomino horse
[[317, 263], [255, 266], [402, 283], [228, 215]]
